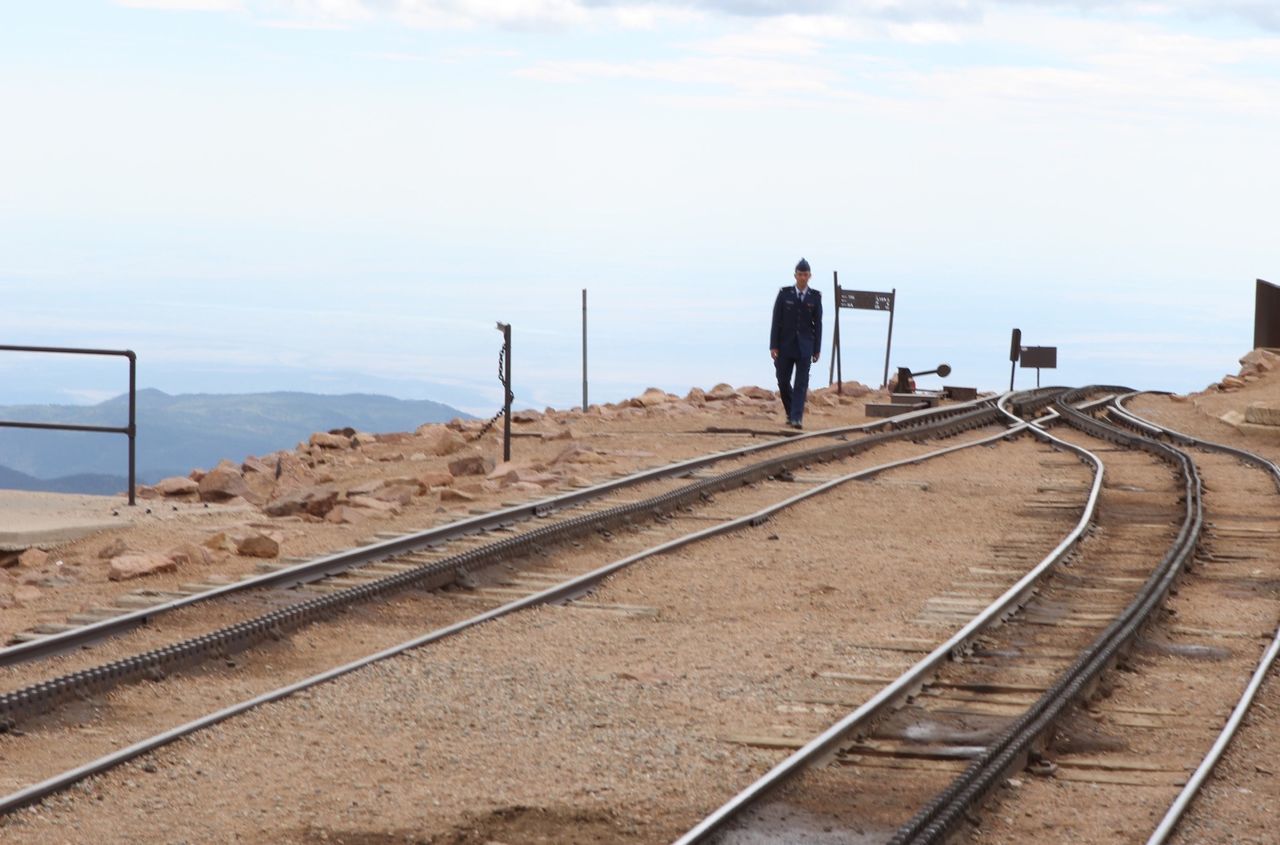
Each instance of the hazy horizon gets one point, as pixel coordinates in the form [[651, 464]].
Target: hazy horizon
[[345, 196]]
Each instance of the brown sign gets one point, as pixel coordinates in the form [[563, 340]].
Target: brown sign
[[1039, 357], [867, 300]]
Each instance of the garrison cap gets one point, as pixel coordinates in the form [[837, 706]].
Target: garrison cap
[[802, 266]]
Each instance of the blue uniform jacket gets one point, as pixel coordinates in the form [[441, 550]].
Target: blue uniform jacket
[[797, 326]]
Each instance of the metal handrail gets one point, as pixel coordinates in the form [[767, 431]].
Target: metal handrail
[[131, 429]]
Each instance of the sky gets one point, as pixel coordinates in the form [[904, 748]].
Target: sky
[[348, 195]]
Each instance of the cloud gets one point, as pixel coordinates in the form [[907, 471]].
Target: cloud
[[919, 17], [183, 5]]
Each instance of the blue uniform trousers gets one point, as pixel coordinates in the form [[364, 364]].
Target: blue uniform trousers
[[793, 397]]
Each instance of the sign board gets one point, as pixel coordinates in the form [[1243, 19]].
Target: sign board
[[1266, 315], [1039, 357], [867, 300], [863, 300]]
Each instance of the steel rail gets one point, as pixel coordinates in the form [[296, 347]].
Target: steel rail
[[567, 590], [910, 681], [37, 699], [935, 822], [324, 566], [1193, 785]]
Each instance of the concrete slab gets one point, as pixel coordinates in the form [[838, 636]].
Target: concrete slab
[[30, 519]]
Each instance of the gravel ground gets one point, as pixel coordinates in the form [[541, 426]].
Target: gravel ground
[[564, 725]]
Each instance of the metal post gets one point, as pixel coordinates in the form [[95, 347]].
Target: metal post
[[1015, 350], [888, 345], [584, 350], [507, 395], [1037, 378], [835, 336], [133, 427]]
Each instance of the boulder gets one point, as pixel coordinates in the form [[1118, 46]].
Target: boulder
[[256, 544], [33, 558], [753, 392], [316, 501], [139, 565], [566, 433], [363, 438], [1260, 360], [452, 494], [1262, 413], [439, 440], [652, 397], [25, 594], [193, 554], [576, 454], [721, 392], [470, 465], [435, 478], [526, 416], [696, 396], [115, 548], [398, 494], [326, 440], [371, 504], [178, 485], [1232, 383], [223, 483], [345, 515]]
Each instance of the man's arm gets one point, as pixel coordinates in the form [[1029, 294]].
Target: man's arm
[[775, 329]]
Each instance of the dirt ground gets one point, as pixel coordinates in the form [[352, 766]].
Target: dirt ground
[[570, 726]]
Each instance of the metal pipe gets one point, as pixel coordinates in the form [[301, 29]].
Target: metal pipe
[[584, 350], [133, 428], [888, 346], [506, 393]]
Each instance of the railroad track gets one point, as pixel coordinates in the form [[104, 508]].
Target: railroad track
[[968, 700], [399, 553], [988, 704], [36, 706]]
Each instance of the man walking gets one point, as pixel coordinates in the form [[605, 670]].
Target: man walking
[[795, 340]]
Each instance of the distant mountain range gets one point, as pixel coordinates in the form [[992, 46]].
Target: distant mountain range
[[179, 433]]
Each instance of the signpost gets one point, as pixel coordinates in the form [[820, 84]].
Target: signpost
[[1038, 357], [862, 300], [1266, 315]]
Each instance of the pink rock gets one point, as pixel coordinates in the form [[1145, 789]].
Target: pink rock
[[439, 440], [316, 501], [178, 486], [33, 558], [185, 554], [721, 392], [753, 392], [652, 397], [696, 396], [371, 504], [436, 478], [397, 494], [221, 484], [139, 565], [25, 594], [345, 515], [470, 465], [452, 494], [256, 544], [330, 441], [526, 416]]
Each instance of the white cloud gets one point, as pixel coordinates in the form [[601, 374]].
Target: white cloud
[[184, 5]]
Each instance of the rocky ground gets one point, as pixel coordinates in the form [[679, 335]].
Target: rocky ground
[[339, 488]]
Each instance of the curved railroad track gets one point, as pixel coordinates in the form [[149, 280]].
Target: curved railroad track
[[74, 697]]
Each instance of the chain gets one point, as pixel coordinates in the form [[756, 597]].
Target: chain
[[502, 357]]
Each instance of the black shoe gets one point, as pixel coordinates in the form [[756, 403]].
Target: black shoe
[[795, 424]]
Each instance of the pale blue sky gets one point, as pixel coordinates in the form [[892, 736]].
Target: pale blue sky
[[343, 195]]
